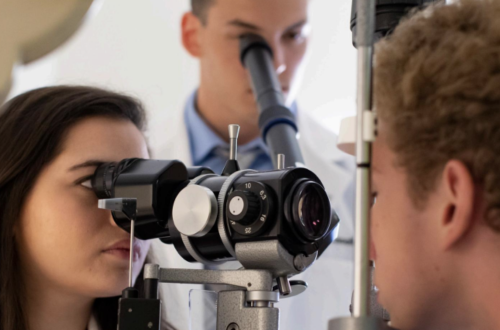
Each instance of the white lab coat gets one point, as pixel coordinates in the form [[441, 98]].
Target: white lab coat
[[330, 279]]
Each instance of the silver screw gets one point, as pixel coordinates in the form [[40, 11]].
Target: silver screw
[[299, 262]]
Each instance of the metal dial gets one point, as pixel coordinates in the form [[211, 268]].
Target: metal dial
[[247, 209], [243, 207]]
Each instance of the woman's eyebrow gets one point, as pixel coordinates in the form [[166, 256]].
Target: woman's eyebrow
[[88, 163]]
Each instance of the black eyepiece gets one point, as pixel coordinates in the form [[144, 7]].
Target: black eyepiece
[[105, 175], [311, 211], [102, 181]]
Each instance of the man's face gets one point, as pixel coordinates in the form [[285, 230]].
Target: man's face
[[408, 268], [283, 23]]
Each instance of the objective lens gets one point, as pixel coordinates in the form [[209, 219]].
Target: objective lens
[[311, 210]]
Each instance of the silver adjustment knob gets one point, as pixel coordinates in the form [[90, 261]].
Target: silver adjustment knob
[[234, 131], [195, 211], [281, 162]]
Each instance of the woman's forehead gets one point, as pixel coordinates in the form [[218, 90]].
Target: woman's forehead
[[104, 138]]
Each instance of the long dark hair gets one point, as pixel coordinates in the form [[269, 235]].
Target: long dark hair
[[32, 129]]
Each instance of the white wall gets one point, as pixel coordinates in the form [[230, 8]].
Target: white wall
[[134, 46]]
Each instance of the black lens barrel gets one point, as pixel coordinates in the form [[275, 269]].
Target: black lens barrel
[[311, 211], [103, 180]]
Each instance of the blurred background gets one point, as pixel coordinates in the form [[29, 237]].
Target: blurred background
[[134, 47]]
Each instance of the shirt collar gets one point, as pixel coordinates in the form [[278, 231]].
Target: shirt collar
[[203, 139]]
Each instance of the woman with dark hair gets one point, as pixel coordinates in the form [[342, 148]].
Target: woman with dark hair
[[61, 256]]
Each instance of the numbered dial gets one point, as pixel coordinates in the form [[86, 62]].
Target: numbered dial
[[244, 207], [247, 209]]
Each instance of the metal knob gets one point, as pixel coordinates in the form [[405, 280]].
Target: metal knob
[[243, 207], [195, 211], [281, 162], [234, 131]]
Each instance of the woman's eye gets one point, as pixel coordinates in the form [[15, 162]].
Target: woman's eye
[[87, 183]]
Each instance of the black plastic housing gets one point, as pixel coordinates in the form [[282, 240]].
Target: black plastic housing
[[155, 184]]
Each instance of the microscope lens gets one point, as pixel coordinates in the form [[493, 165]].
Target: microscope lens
[[311, 211]]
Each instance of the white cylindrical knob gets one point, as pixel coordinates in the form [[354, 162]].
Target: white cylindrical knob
[[195, 211]]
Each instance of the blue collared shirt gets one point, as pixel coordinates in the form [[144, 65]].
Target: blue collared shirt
[[203, 141]]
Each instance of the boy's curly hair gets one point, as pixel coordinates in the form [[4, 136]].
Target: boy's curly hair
[[437, 88]]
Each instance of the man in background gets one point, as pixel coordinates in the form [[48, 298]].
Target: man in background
[[436, 179], [211, 33]]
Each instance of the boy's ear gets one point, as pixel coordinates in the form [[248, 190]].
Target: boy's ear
[[459, 195], [190, 30]]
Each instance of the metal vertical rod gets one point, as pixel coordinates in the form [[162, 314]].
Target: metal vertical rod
[[280, 162], [131, 258], [284, 285], [151, 279], [365, 31], [234, 131]]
